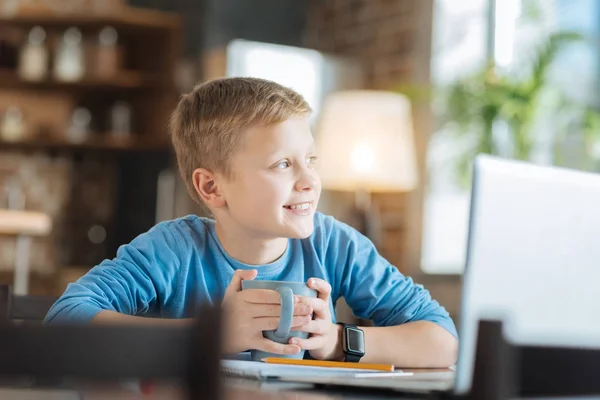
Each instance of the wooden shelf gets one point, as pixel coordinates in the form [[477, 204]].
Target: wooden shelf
[[99, 142], [149, 47], [124, 80], [126, 18]]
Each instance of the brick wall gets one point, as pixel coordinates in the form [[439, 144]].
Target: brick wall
[[391, 38], [380, 32]]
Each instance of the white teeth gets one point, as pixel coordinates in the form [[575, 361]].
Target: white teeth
[[302, 207]]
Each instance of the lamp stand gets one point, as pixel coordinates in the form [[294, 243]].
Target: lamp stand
[[369, 218]]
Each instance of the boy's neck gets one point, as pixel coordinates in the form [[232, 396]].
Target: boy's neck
[[250, 250]]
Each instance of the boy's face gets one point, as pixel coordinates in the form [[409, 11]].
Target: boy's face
[[275, 188]]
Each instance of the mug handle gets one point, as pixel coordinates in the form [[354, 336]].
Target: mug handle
[[287, 312]]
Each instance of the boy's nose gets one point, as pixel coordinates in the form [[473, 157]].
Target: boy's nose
[[307, 181]]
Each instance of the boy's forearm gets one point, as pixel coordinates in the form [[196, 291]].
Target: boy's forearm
[[420, 344], [113, 317]]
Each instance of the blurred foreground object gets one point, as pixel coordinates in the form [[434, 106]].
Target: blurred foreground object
[[19, 308], [175, 354]]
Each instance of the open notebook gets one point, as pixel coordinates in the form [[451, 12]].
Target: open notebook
[[244, 368]]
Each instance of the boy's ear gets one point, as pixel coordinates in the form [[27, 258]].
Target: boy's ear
[[205, 183]]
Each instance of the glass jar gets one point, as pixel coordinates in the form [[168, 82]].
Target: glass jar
[[69, 61]]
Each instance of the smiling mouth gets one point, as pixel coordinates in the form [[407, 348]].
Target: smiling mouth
[[298, 207]]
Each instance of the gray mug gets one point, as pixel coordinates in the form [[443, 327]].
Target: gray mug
[[283, 333]]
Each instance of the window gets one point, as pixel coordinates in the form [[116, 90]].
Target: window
[[294, 67], [460, 45]]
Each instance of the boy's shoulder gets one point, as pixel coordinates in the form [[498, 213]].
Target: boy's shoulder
[[336, 242], [171, 239], [329, 228], [179, 229], [188, 222]]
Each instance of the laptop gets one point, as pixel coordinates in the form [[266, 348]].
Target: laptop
[[532, 255]]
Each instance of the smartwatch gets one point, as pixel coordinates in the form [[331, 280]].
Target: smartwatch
[[353, 342]]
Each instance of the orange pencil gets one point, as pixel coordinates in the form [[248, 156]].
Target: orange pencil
[[331, 364]]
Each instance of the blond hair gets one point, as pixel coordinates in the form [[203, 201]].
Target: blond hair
[[207, 124]]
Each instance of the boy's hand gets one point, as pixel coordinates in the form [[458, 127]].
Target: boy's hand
[[323, 342], [249, 312]]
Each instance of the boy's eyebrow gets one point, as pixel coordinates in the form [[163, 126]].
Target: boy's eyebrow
[[311, 149], [274, 152]]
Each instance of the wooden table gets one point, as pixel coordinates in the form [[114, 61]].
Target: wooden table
[[166, 392], [234, 389]]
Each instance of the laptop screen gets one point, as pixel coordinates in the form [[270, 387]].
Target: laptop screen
[[533, 257]]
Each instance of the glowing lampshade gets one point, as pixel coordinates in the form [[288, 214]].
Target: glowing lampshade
[[365, 142]]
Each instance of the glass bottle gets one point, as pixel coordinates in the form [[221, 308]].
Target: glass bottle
[[107, 56], [12, 125], [69, 64], [33, 60], [120, 119], [79, 128]]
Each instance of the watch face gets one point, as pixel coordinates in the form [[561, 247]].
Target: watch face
[[355, 341]]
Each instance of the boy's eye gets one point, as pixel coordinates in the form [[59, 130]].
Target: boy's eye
[[283, 165], [311, 160]]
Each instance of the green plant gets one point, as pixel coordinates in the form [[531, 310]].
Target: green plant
[[474, 106]]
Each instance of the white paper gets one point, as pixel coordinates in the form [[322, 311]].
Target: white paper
[[260, 370]]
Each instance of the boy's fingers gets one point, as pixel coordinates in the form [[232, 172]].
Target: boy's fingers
[[272, 323], [323, 288], [316, 327], [270, 346], [261, 296], [312, 343], [238, 276], [320, 307], [274, 310]]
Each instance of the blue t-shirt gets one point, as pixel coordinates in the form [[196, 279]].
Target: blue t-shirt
[[167, 271]]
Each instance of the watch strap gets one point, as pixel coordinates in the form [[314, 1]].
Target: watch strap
[[351, 358]]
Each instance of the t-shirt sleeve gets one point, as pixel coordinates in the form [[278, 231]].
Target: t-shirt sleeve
[[374, 289], [141, 279]]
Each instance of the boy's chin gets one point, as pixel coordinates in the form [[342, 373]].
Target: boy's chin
[[300, 232]]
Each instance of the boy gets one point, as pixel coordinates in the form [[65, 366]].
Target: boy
[[245, 150]]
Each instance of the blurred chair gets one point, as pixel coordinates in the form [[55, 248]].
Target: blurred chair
[[189, 355], [23, 225], [26, 308]]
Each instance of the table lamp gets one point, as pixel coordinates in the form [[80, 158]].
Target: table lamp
[[365, 144]]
